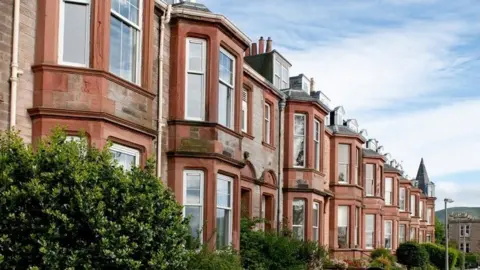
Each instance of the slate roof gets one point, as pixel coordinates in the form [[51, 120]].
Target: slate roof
[[344, 130], [422, 177], [301, 95], [389, 168], [372, 154], [190, 5]]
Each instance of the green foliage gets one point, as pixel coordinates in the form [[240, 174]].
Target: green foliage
[[382, 252], [460, 259], [412, 254], [436, 255], [471, 260], [439, 232], [266, 250], [382, 263], [66, 206], [206, 259]]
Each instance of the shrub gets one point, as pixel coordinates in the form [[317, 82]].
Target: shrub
[[436, 255], [357, 263], [412, 254], [336, 264], [382, 252], [382, 263], [66, 206], [471, 261], [266, 250], [460, 259], [206, 259]]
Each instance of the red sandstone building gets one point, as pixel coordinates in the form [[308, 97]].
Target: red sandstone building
[[234, 135]]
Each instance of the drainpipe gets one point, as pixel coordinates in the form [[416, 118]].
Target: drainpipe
[[164, 20], [15, 71], [281, 106]]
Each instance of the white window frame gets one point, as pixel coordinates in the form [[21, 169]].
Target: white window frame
[[266, 122], [285, 79], [401, 238], [356, 168], [185, 204], [402, 201], [388, 191], [370, 181], [347, 210], [300, 136], [231, 121], [420, 210], [316, 142], [245, 110], [138, 27], [127, 150], [302, 226], [370, 231], [347, 176], [203, 73], [356, 240], [61, 33], [280, 74], [230, 216], [429, 216], [413, 201], [316, 221], [386, 234]]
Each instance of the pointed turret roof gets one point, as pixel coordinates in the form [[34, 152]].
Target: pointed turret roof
[[422, 177]]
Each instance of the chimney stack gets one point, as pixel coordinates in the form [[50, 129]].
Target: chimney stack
[[261, 45], [247, 52], [269, 45], [312, 84], [254, 49]]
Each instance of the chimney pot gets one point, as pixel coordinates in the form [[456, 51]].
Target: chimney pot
[[312, 84], [269, 45], [261, 46], [254, 49]]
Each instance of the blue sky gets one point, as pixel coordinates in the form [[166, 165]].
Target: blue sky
[[407, 70]]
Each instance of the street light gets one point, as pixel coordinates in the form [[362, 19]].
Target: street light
[[446, 200]]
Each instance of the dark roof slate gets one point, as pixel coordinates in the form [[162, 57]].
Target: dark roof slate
[[389, 168], [372, 154], [301, 95], [194, 6], [422, 177], [344, 130]]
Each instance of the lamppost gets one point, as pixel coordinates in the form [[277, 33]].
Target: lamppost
[[446, 200]]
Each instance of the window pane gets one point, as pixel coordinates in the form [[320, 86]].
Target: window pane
[[128, 52], [343, 163], [225, 105], [195, 96], [299, 151], [298, 212], [223, 193], [123, 159], [299, 124], [76, 33], [226, 68], [223, 228], [194, 212], [115, 45], [195, 56], [298, 232], [315, 214]]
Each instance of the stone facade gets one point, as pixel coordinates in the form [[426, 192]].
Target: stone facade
[[464, 231]]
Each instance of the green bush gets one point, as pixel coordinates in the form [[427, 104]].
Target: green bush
[[382, 252], [206, 259], [266, 250], [412, 254], [471, 260], [66, 206], [436, 255], [460, 259], [381, 262]]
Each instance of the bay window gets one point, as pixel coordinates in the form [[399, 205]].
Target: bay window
[[369, 231], [74, 39], [342, 225], [298, 223], [370, 179], [315, 223], [224, 210], [357, 162], [412, 234], [420, 210], [343, 163], [226, 88], [125, 39], [244, 110], [429, 238], [357, 227], [388, 234], [125, 156], [429, 216], [388, 190], [193, 201], [401, 233], [299, 141], [195, 79], [266, 123], [316, 140], [402, 201], [412, 205]]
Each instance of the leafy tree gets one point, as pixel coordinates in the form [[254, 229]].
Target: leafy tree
[[439, 232], [412, 254], [471, 260], [436, 255], [382, 252], [67, 206]]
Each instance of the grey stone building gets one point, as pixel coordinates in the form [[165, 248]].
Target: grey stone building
[[464, 231]]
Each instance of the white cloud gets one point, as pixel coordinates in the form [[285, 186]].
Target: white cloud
[[463, 195]]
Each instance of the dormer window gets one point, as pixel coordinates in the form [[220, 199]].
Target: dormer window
[[281, 79], [352, 124], [372, 144], [364, 133], [380, 150], [338, 114]]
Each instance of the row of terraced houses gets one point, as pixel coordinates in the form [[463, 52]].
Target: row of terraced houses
[[234, 134]]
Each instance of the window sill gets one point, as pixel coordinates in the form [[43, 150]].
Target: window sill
[[271, 147], [247, 135]]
